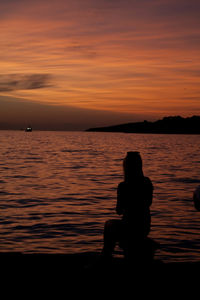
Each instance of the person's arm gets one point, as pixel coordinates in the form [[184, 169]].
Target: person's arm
[[119, 206]]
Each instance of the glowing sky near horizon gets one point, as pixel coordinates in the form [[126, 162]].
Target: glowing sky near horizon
[[122, 56]]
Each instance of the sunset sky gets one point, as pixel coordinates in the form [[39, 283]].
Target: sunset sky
[[82, 63]]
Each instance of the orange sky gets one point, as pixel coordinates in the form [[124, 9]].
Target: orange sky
[[119, 59]]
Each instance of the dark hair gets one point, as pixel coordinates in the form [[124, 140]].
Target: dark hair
[[132, 165]]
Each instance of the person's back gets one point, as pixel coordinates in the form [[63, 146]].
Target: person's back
[[133, 203], [134, 197]]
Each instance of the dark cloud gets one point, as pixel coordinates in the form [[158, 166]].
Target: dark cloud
[[13, 82]]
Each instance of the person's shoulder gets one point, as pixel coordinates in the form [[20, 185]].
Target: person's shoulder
[[122, 183], [148, 181]]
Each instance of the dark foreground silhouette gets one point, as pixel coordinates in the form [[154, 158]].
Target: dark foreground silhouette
[[65, 265], [79, 273], [134, 198], [196, 198]]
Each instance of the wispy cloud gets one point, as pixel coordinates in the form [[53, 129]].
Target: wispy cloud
[[14, 82], [111, 54]]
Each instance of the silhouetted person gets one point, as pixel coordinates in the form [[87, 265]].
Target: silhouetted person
[[196, 198], [134, 198]]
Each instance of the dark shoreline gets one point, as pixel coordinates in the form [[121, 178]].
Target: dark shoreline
[[87, 272], [85, 262], [168, 125]]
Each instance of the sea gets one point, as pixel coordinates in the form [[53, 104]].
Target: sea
[[57, 190]]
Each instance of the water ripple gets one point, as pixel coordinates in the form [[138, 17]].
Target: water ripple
[[58, 188]]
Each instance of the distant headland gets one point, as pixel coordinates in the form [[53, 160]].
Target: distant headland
[[168, 125]]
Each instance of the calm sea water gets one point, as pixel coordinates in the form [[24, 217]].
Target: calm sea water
[[58, 188]]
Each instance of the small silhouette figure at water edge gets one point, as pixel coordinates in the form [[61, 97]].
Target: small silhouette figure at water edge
[[134, 198]]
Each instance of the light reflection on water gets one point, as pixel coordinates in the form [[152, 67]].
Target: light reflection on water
[[58, 188]]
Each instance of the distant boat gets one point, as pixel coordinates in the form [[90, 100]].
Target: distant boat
[[28, 129]]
